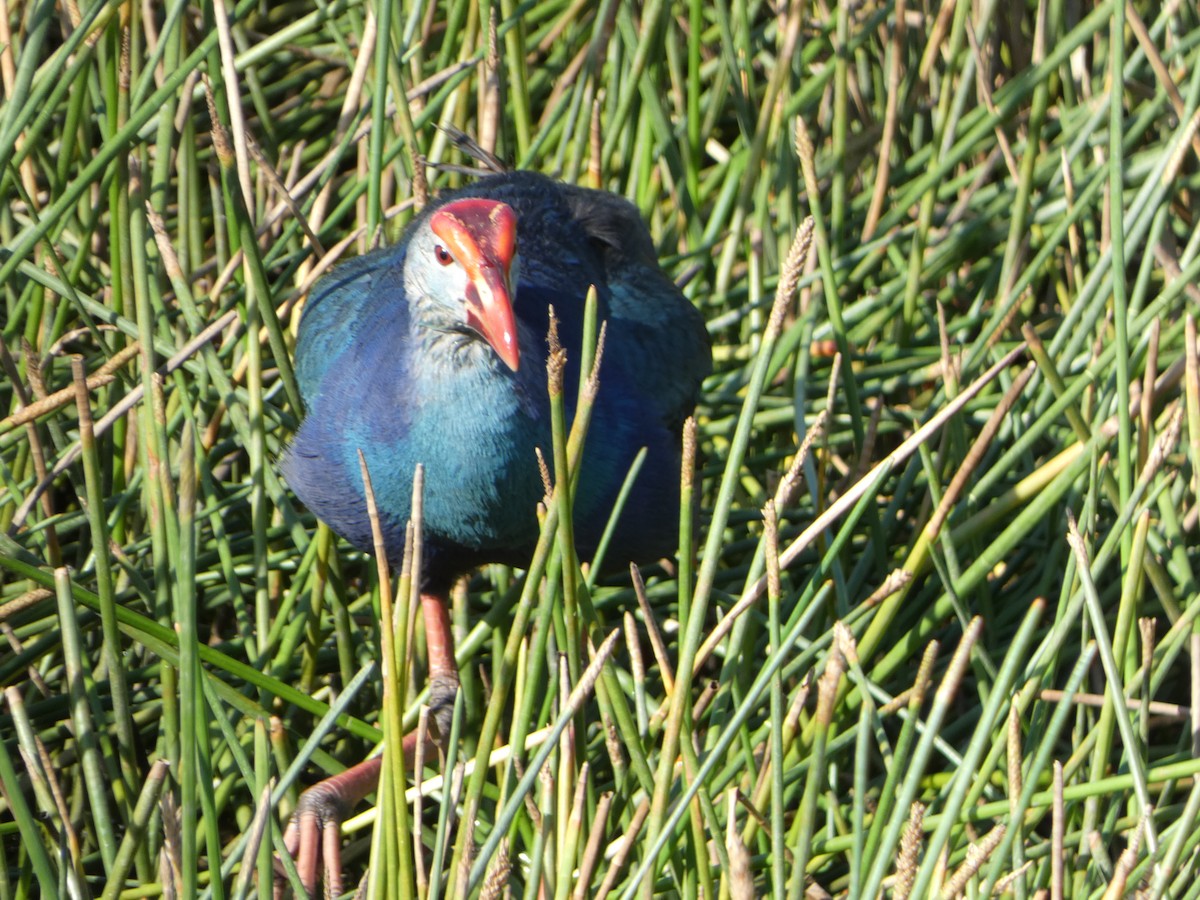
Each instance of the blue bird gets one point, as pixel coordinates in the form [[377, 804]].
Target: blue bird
[[433, 352]]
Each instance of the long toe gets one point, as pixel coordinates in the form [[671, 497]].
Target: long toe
[[302, 840], [313, 836]]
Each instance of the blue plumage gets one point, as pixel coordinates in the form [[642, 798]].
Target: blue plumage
[[395, 357]]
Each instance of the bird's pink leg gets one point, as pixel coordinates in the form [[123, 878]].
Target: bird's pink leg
[[313, 836], [443, 671]]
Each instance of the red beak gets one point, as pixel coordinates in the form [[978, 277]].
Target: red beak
[[482, 235]]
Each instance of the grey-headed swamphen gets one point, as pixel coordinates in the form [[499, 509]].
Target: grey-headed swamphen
[[433, 351]]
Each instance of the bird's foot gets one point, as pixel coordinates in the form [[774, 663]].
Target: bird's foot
[[313, 836]]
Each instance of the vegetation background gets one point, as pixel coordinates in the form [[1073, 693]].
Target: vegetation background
[[950, 649]]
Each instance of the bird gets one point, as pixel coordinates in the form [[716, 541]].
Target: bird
[[433, 352]]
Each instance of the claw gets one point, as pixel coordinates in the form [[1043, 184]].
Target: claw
[[313, 836]]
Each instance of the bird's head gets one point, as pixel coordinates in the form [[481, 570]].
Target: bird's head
[[466, 260]]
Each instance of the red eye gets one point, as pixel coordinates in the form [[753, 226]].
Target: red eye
[[442, 254]]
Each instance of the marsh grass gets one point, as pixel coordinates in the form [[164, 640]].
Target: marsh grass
[[935, 633]]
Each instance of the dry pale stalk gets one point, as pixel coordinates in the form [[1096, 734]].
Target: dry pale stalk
[[910, 852]]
